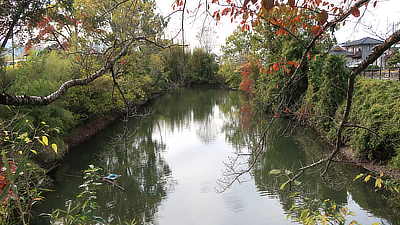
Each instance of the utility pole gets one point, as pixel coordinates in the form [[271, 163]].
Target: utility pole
[[398, 69], [12, 44]]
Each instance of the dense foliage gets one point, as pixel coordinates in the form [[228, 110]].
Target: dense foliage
[[72, 40], [376, 109], [318, 94]]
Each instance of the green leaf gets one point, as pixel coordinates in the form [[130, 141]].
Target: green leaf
[[274, 172], [297, 183], [19, 169], [4, 193], [288, 172], [6, 164]]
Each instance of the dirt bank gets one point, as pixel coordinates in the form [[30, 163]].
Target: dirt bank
[[84, 133], [372, 166]]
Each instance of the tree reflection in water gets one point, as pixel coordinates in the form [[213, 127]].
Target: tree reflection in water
[[147, 177], [288, 146], [138, 152]]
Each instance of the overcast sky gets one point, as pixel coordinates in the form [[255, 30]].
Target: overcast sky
[[376, 22]]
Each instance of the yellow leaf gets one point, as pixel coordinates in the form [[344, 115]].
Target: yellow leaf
[[367, 178], [376, 223], [22, 136], [358, 176], [45, 140], [379, 182], [20, 152], [54, 146], [26, 120], [33, 151], [26, 140], [43, 122], [344, 211]]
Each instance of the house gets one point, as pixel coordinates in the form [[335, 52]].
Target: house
[[361, 49], [337, 50]]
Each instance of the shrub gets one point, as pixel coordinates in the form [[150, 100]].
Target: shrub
[[376, 107]]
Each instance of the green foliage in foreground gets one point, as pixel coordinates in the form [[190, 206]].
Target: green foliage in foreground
[[320, 212], [84, 211]]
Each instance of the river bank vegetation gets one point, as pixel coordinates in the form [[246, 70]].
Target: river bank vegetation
[[87, 60], [92, 60], [319, 95]]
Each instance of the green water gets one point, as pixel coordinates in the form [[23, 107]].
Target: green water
[[171, 160]]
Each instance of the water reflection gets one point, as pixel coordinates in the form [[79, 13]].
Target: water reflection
[[147, 177], [170, 162]]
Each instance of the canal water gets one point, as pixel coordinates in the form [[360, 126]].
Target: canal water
[[172, 162]]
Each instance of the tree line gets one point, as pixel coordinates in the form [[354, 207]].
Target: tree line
[[86, 61]]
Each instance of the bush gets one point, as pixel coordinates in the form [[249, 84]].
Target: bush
[[372, 67], [376, 107], [326, 92]]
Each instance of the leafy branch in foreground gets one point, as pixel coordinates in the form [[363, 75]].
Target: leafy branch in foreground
[[84, 211]]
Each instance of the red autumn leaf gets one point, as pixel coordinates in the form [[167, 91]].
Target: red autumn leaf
[[275, 67], [260, 70], [355, 11], [317, 30], [276, 87], [323, 17], [291, 3], [286, 109], [304, 111], [275, 115], [375, 4], [79, 58], [287, 70], [122, 63], [262, 121], [308, 55], [268, 4]]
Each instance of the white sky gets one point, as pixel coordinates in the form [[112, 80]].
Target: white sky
[[375, 23]]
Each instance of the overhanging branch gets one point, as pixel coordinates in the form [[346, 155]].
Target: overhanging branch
[[7, 99]]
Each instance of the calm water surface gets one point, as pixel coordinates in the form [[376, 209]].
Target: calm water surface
[[171, 160]]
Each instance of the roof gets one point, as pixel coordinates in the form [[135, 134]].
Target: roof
[[337, 50], [364, 41]]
